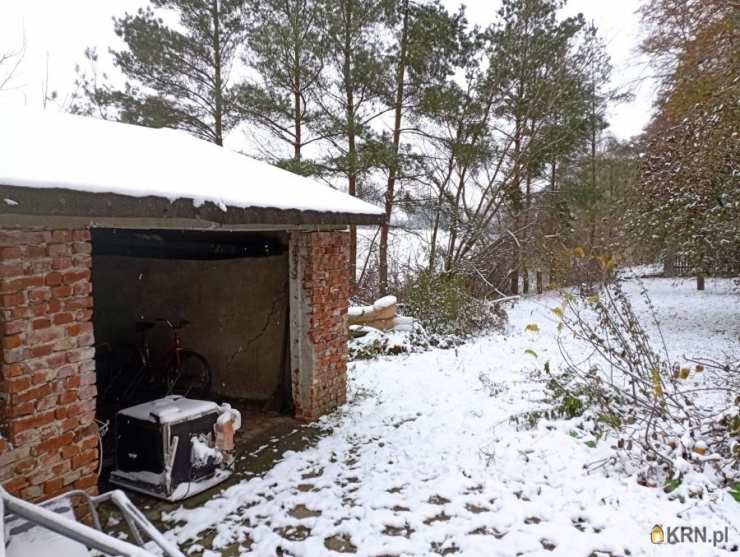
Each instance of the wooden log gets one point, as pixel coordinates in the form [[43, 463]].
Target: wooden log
[[381, 311]]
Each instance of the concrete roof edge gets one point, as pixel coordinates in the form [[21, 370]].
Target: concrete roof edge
[[108, 208]]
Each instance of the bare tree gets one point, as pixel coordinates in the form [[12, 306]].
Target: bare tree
[[10, 61]]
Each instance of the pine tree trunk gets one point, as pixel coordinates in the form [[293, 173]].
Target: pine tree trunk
[[455, 224], [555, 218], [516, 203], [353, 257], [433, 242], [297, 118], [438, 210], [593, 137], [393, 170], [435, 229], [525, 231], [352, 187], [218, 84], [351, 139]]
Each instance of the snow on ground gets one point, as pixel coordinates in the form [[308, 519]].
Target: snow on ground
[[423, 460], [28, 540]]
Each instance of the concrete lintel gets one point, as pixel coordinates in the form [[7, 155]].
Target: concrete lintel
[[61, 202], [144, 223]]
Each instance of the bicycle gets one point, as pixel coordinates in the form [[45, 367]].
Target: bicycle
[[178, 371]]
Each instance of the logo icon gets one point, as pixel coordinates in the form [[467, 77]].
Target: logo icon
[[656, 534]]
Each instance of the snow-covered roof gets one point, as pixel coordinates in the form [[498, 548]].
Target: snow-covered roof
[[52, 150]]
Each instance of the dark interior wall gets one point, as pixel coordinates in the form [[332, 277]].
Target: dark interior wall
[[238, 310]]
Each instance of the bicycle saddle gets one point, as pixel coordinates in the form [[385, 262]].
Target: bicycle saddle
[[143, 326]]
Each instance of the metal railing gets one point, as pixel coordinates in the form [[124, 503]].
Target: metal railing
[[90, 537]]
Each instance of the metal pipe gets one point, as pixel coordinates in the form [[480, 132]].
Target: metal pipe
[[89, 537], [128, 508]]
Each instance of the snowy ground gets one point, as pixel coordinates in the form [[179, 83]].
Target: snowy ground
[[424, 460]]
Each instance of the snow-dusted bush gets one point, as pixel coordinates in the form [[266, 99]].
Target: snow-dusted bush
[[632, 392], [444, 306], [367, 343]]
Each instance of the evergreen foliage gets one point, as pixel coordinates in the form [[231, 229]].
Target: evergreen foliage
[[492, 138], [286, 50], [177, 73]]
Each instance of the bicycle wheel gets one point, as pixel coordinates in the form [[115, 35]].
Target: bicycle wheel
[[105, 370], [130, 365], [192, 378]]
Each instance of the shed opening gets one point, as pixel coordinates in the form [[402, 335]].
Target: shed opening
[[223, 295]]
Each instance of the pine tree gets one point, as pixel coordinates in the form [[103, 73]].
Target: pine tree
[[460, 115], [426, 40], [530, 60], [597, 73], [576, 140], [287, 51], [176, 76], [594, 207], [351, 101]]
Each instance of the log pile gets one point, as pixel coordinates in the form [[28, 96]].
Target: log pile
[[382, 315]]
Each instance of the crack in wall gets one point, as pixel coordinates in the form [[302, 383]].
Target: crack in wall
[[276, 301]]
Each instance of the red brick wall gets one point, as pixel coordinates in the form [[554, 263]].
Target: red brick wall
[[320, 293], [47, 394]]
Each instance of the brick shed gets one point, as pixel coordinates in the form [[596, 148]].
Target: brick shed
[[103, 224]]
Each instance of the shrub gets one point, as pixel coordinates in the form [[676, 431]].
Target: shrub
[[367, 343], [373, 343], [443, 305], [633, 391]]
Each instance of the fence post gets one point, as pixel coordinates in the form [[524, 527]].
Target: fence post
[[525, 282], [539, 282], [700, 280]]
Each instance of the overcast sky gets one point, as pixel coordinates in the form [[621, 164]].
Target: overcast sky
[[56, 33]]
